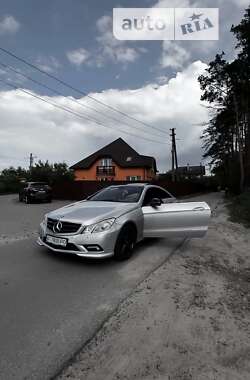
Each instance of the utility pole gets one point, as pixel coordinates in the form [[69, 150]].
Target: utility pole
[[31, 161], [174, 156]]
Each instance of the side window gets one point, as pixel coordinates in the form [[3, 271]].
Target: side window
[[154, 192], [150, 194], [162, 194]]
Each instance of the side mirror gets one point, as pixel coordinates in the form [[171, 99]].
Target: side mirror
[[155, 202]]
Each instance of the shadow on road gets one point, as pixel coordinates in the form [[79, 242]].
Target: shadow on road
[[76, 260]]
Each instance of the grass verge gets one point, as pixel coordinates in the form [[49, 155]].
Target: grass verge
[[239, 209]]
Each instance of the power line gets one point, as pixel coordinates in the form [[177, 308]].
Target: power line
[[78, 114], [77, 90], [8, 67]]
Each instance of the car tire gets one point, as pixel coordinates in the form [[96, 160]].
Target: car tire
[[49, 200], [125, 243]]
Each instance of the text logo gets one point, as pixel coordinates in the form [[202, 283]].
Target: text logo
[[166, 23], [143, 23], [196, 23]]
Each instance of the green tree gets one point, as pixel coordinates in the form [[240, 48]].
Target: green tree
[[226, 85], [11, 178], [51, 173]]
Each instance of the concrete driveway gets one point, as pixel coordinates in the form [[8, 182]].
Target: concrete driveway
[[19, 221], [52, 304]]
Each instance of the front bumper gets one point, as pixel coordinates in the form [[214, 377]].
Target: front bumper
[[79, 244]]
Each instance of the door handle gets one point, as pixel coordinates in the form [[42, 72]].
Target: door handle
[[198, 209]]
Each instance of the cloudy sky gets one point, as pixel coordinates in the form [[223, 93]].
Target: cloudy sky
[[152, 81]]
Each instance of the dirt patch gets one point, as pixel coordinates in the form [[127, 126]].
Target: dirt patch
[[189, 320]]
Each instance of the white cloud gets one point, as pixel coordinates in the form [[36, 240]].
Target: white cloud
[[240, 3], [103, 24], [173, 55], [33, 126], [173, 4], [198, 4], [78, 56], [177, 54], [111, 49], [161, 79], [13, 78], [49, 64], [9, 25]]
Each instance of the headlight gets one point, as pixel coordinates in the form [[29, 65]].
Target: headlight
[[103, 226]]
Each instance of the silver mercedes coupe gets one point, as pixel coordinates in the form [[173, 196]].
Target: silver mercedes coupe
[[113, 220]]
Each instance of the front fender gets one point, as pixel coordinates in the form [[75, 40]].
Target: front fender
[[135, 217]]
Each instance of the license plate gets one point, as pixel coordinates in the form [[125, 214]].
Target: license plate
[[56, 240]]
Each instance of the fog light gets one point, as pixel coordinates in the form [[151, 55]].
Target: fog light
[[93, 248]]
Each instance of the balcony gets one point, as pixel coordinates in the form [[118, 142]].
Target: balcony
[[105, 170]]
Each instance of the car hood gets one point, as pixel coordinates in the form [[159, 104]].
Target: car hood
[[89, 212]]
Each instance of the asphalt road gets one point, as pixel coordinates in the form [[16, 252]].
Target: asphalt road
[[51, 304]]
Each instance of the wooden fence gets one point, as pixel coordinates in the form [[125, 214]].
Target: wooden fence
[[78, 190]]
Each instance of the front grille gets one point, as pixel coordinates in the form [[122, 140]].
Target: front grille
[[66, 227]]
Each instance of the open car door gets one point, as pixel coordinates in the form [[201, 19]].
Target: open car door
[[184, 219]]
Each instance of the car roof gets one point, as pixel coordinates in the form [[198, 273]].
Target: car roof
[[40, 182], [140, 184]]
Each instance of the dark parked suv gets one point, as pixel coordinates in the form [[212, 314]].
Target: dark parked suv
[[35, 191]]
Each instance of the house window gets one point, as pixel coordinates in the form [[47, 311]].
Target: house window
[[134, 178], [106, 162]]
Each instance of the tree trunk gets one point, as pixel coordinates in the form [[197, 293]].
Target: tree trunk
[[239, 138]]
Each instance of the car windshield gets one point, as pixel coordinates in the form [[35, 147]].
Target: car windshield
[[127, 194]]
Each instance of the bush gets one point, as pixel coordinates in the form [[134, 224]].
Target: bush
[[239, 209]]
